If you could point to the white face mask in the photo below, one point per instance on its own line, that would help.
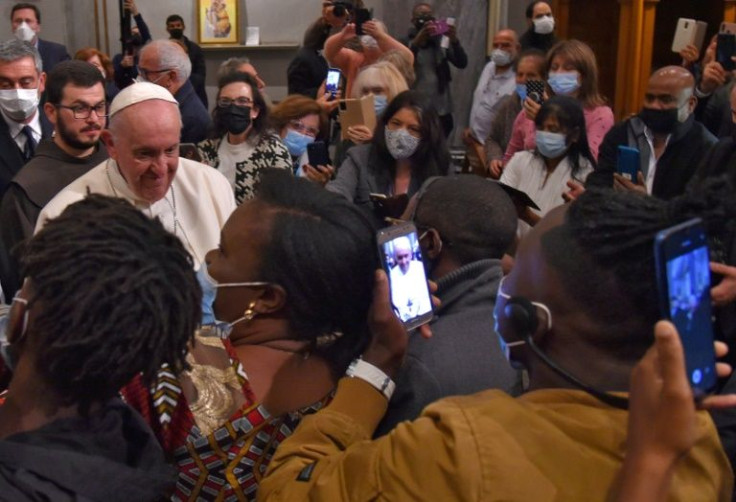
(24, 32)
(500, 57)
(19, 104)
(544, 25)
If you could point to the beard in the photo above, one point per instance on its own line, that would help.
(68, 137)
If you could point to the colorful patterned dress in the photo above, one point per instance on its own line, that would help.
(228, 463)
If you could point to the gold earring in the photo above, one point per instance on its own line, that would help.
(250, 313)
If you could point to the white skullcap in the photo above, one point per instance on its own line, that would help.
(137, 93)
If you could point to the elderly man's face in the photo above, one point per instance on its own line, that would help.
(145, 144)
(403, 257)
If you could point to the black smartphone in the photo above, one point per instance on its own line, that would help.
(361, 16)
(317, 154)
(398, 247)
(189, 151)
(332, 84)
(627, 163)
(683, 280)
(535, 90)
(725, 49)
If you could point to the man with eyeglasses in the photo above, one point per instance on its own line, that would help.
(77, 109)
(165, 63)
(22, 82)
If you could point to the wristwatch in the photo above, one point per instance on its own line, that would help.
(373, 375)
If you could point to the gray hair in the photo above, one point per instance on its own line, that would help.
(14, 49)
(231, 65)
(171, 55)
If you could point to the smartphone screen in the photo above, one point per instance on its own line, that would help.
(333, 81)
(627, 164)
(401, 258)
(683, 274)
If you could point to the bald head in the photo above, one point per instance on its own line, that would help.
(671, 87)
(507, 40)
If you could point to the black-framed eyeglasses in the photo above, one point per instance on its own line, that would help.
(82, 112)
(242, 101)
(144, 73)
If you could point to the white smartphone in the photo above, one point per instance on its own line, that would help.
(684, 34)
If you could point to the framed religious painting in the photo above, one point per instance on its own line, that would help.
(218, 22)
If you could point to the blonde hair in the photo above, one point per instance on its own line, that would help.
(405, 67)
(381, 74)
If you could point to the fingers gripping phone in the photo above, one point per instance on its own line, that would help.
(535, 90)
(398, 248)
(683, 280)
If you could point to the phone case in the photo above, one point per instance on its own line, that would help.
(535, 90)
(684, 34)
(628, 163)
(317, 154)
(357, 112)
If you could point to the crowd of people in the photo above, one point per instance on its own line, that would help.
(195, 306)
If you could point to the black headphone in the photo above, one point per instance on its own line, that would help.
(522, 315)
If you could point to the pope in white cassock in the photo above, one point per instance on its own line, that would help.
(408, 286)
(192, 200)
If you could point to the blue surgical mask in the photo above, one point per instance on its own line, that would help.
(297, 142)
(521, 91)
(209, 287)
(380, 102)
(564, 83)
(551, 144)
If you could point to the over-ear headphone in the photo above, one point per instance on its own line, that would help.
(522, 315)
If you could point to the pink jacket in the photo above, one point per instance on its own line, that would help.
(598, 121)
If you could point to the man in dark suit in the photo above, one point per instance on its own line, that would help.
(26, 21)
(22, 125)
(175, 27)
(165, 63)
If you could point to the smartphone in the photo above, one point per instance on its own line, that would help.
(725, 48)
(683, 283)
(317, 153)
(332, 84)
(189, 151)
(361, 16)
(684, 34)
(535, 90)
(628, 163)
(398, 247)
(728, 28)
(441, 27)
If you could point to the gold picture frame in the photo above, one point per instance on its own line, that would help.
(218, 22)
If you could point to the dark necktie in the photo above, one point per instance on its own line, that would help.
(30, 147)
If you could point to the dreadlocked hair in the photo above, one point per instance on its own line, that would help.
(112, 294)
(617, 230)
(322, 251)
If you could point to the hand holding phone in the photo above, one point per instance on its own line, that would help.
(683, 280)
(332, 83)
(627, 163)
(361, 16)
(318, 154)
(725, 50)
(400, 254)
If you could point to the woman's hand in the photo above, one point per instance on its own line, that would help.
(531, 107)
(495, 168)
(359, 134)
(318, 174)
(575, 191)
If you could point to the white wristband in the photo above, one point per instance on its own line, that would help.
(373, 375)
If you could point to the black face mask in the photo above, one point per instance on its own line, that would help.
(176, 33)
(235, 119)
(659, 121)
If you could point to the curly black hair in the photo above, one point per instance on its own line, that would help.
(112, 294)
